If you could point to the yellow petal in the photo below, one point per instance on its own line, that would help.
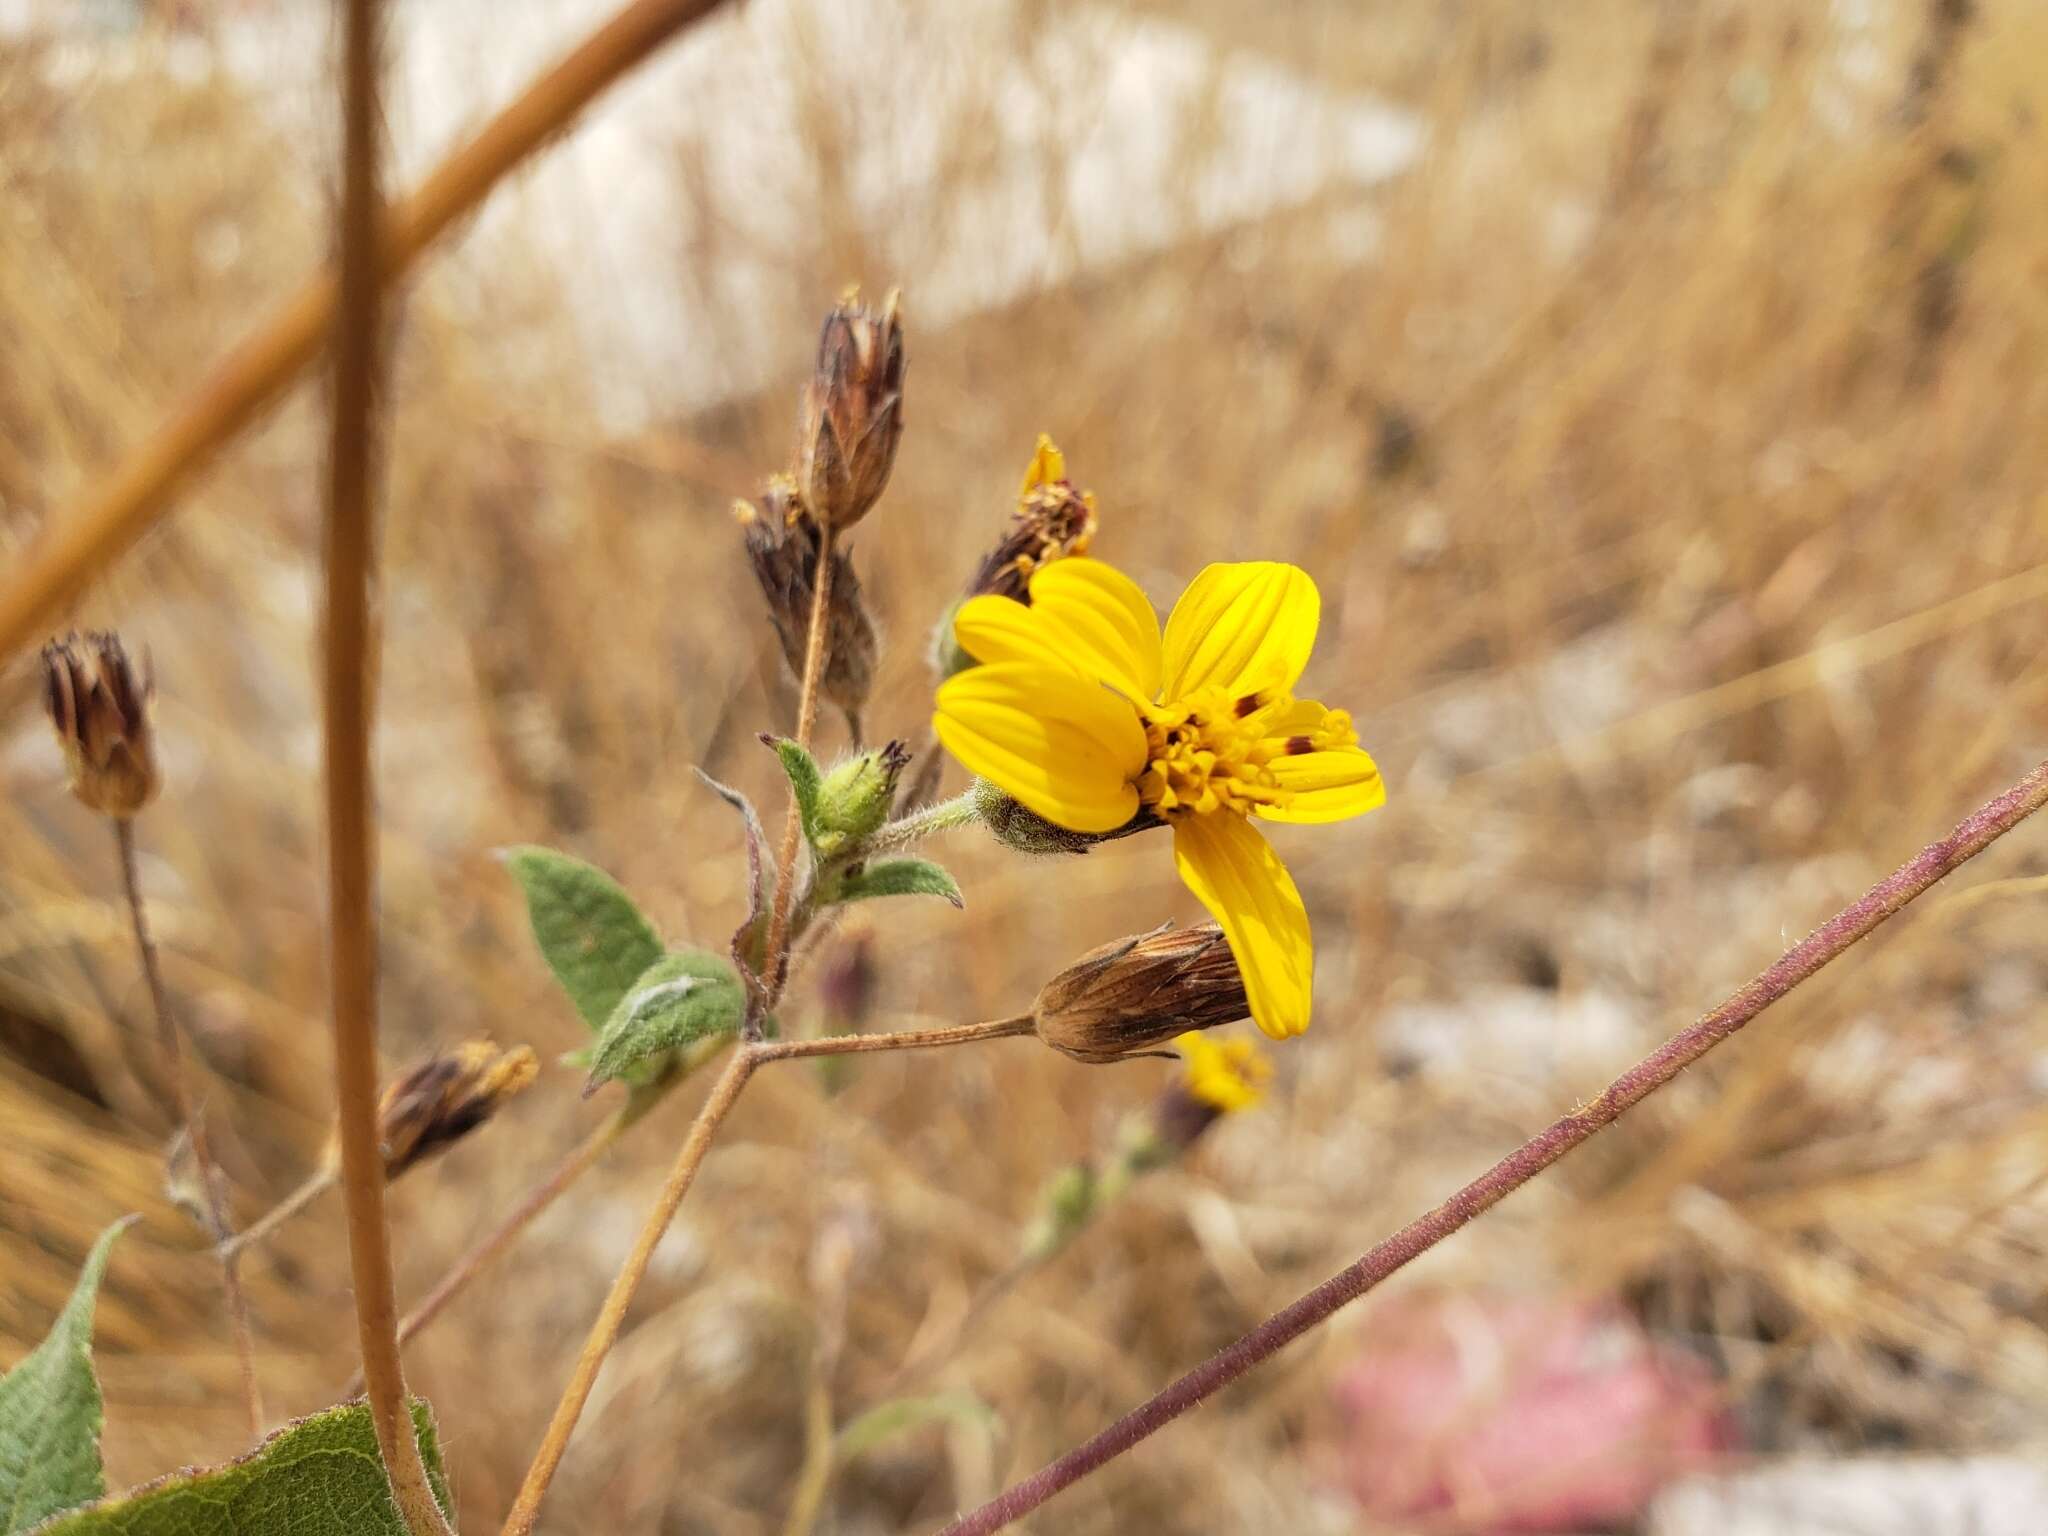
(1047, 465)
(1246, 888)
(1327, 786)
(1243, 627)
(997, 629)
(1060, 745)
(1103, 621)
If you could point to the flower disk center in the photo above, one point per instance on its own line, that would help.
(1208, 752)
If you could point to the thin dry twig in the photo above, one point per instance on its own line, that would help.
(346, 693)
(121, 508)
(211, 1183)
(316, 1185)
(1825, 944)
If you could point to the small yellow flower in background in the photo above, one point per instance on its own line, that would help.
(1087, 715)
(1227, 1075)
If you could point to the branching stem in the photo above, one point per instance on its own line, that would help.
(317, 1184)
(1826, 943)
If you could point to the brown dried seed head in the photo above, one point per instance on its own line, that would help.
(1051, 520)
(852, 412)
(1138, 993)
(782, 546)
(100, 706)
(444, 1098)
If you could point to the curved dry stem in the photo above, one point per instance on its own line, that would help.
(605, 1332)
(1824, 944)
(110, 518)
(259, 1230)
(212, 1184)
(346, 693)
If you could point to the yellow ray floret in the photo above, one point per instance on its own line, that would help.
(1085, 713)
(1228, 1075)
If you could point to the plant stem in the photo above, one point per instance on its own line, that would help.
(724, 1094)
(960, 811)
(1824, 944)
(347, 664)
(121, 508)
(892, 1040)
(212, 1184)
(316, 1185)
(491, 1248)
(775, 952)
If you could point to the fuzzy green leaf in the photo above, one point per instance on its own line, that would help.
(590, 933)
(900, 1415)
(896, 877)
(804, 778)
(50, 1411)
(682, 998)
(320, 1476)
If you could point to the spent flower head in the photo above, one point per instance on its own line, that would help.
(1090, 717)
(1052, 520)
(437, 1102)
(852, 412)
(100, 705)
(1138, 993)
(782, 547)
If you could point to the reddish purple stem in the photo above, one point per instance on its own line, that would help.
(1824, 944)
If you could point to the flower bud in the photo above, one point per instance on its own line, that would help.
(444, 1098)
(855, 797)
(101, 709)
(852, 413)
(782, 546)
(1051, 520)
(1137, 993)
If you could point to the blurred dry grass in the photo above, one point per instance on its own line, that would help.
(1667, 448)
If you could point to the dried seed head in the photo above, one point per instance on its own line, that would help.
(100, 706)
(782, 546)
(1052, 520)
(852, 413)
(444, 1098)
(1138, 993)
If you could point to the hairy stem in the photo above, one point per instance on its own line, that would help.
(605, 1332)
(892, 1040)
(906, 831)
(775, 952)
(346, 692)
(121, 508)
(317, 1184)
(212, 1184)
(1824, 944)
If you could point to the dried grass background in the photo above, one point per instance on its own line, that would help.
(1668, 448)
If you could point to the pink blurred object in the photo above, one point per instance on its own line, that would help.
(1496, 1414)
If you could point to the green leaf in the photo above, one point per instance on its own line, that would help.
(320, 1476)
(590, 933)
(896, 877)
(887, 1420)
(50, 1411)
(682, 998)
(804, 778)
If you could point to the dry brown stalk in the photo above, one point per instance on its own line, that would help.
(120, 509)
(347, 662)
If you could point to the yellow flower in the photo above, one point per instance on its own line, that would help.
(1228, 1076)
(1084, 713)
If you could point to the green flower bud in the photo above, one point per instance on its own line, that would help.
(855, 798)
(1066, 1206)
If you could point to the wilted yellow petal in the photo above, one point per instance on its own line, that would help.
(1246, 888)
(1047, 466)
(1060, 745)
(1327, 786)
(1105, 623)
(1243, 627)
